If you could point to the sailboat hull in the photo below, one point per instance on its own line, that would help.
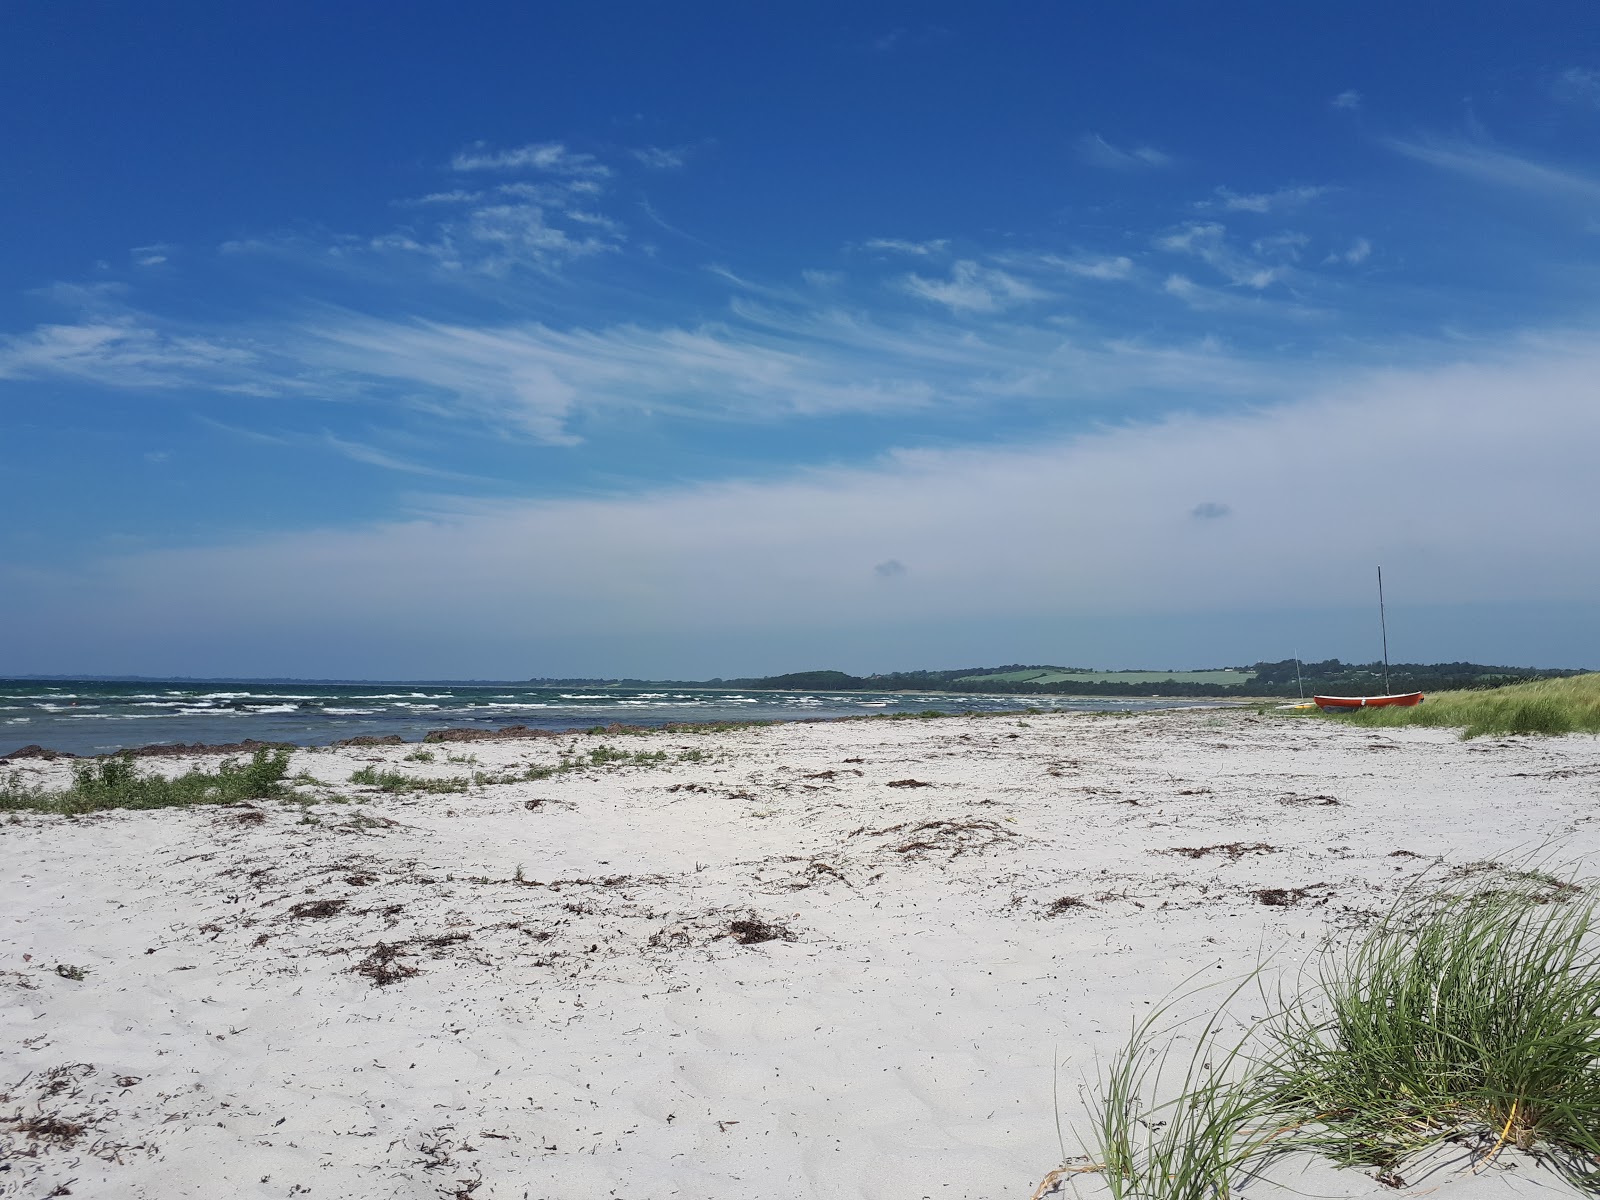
(1340, 703)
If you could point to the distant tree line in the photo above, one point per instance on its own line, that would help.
(1269, 679)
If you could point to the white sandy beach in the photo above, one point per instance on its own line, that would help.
(595, 1029)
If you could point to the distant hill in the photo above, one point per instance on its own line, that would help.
(1259, 679)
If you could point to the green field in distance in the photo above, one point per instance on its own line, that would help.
(1225, 677)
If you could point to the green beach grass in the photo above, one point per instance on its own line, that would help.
(1460, 1015)
(1548, 706)
(116, 782)
(1468, 1014)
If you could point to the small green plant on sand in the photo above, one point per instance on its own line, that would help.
(425, 756)
(1156, 1142)
(117, 782)
(399, 783)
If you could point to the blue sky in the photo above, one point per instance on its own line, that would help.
(712, 339)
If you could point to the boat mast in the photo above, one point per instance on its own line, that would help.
(1297, 678)
(1383, 624)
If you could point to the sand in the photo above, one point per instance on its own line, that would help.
(557, 989)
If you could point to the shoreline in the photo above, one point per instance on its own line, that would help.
(619, 728)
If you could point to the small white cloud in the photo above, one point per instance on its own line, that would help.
(1350, 100)
(1360, 250)
(902, 246)
(456, 196)
(1261, 202)
(551, 157)
(822, 279)
(1105, 267)
(150, 256)
(1287, 244)
(972, 288)
(1097, 152)
(1208, 241)
(1577, 85)
(662, 158)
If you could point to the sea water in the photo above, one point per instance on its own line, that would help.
(88, 717)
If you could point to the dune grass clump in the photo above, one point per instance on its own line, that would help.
(116, 782)
(1470, 1017)
(1457, 1017)
(1153, 1145)
(1545, 706)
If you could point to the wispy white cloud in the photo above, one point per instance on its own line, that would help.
(1094, 266)
(1261, 202)
(1577, 85)
(454, 196)
(1208, 241)
(662, 158)
(935, 246)
(374, 456)
(1502, 168)
(122, 352)
(1359, 251)
(972, 287)
(151, 256)
(1285, 245)
(1097, 152)
(551, 157)
(1348, 100)
(496, 238)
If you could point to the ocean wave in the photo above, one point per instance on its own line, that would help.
(260, 709)
(406, 696)
(351, 712)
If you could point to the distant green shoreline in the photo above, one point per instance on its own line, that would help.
(1283, 678)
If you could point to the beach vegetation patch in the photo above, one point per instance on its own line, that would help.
(398, 783)
(99, 784)
(1546, 706)
(1154, 1141)
(1458, 1016)
(1469, 1017)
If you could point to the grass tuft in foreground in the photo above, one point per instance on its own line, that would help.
(1191, 1146)
(1469, 1017)
(116, 782)
(1547, 706)
(1457, 1016)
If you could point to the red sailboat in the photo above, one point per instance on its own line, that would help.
(1389, 699)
